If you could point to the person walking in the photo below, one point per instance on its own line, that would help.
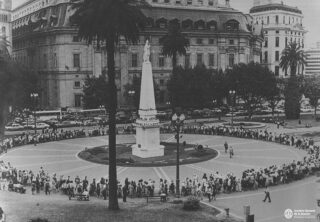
(225, 147)
(267, 195)
(231, 152)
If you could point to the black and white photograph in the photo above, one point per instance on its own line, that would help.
(159, 111)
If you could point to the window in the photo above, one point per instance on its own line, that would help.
(199, 41)
(77, 84)
(55, 60)
(286, 41)
(284, 20)
(277, 41)
(266, 42)
(166, 1)
(77, 100)
(268, 20)
(154, 0)
(75, 39)
(187, 60)
(277, 56)
(134, 60)
(161, 96)
(232, 25)
(231, 41)
(161, 82)
(231, 60)
(210, 2)
(277, 19)
(276, 70)
(277, 31)
(211, 59)
(199, 59)
(3, 30)
(178, 2)
(266, 57)
(76, 60)
(45, 60)
(189, 2)
(161, 61)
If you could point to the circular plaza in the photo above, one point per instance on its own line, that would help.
(61, 157)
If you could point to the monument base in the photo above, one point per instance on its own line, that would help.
(147, 139)
(146, 153)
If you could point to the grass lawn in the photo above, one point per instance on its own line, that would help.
(57, 208)
(125, 158)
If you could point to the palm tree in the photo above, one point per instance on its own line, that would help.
(292, 57)
(108, 21)
(173, 43)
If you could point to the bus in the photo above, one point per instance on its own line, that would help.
(49, 114)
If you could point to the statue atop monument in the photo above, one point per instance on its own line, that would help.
(146, 52)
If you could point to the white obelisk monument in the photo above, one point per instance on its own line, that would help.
(147, 125)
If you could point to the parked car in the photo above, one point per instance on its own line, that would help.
(14, 126)
(40, 126)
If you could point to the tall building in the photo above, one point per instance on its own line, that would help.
(313, 60)
(45, 40)
(281, 24)
(5, 19)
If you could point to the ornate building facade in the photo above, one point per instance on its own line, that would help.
(45, 40)
(281, 24)
(5, 19)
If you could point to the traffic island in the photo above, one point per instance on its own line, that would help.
(189, 153)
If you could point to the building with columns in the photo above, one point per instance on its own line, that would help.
(45, 40)
(5, 19)
(281, 24)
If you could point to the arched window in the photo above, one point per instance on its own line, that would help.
(212, 25)
(200, 24)
(174, 22)
(187, 24)
(161, 23)
(232, 25)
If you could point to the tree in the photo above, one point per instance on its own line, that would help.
(95, 92)
(173, 43)
(251, 82)
(274, 94)
(16, 84)
(219, 89)
(292, 57)
(292, 94)
(312, 91)
(190, 87)
(108, 21)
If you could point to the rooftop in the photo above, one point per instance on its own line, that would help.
(274, 6)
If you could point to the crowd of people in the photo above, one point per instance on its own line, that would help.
(209, 184)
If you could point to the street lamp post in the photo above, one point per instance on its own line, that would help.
(34, 98)
(232, 93)
(131, 94)
(177, 122)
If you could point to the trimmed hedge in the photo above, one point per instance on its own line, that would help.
(192, 203)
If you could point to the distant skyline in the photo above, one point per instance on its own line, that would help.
(310, 10)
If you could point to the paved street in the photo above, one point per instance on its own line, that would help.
(61, 157)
